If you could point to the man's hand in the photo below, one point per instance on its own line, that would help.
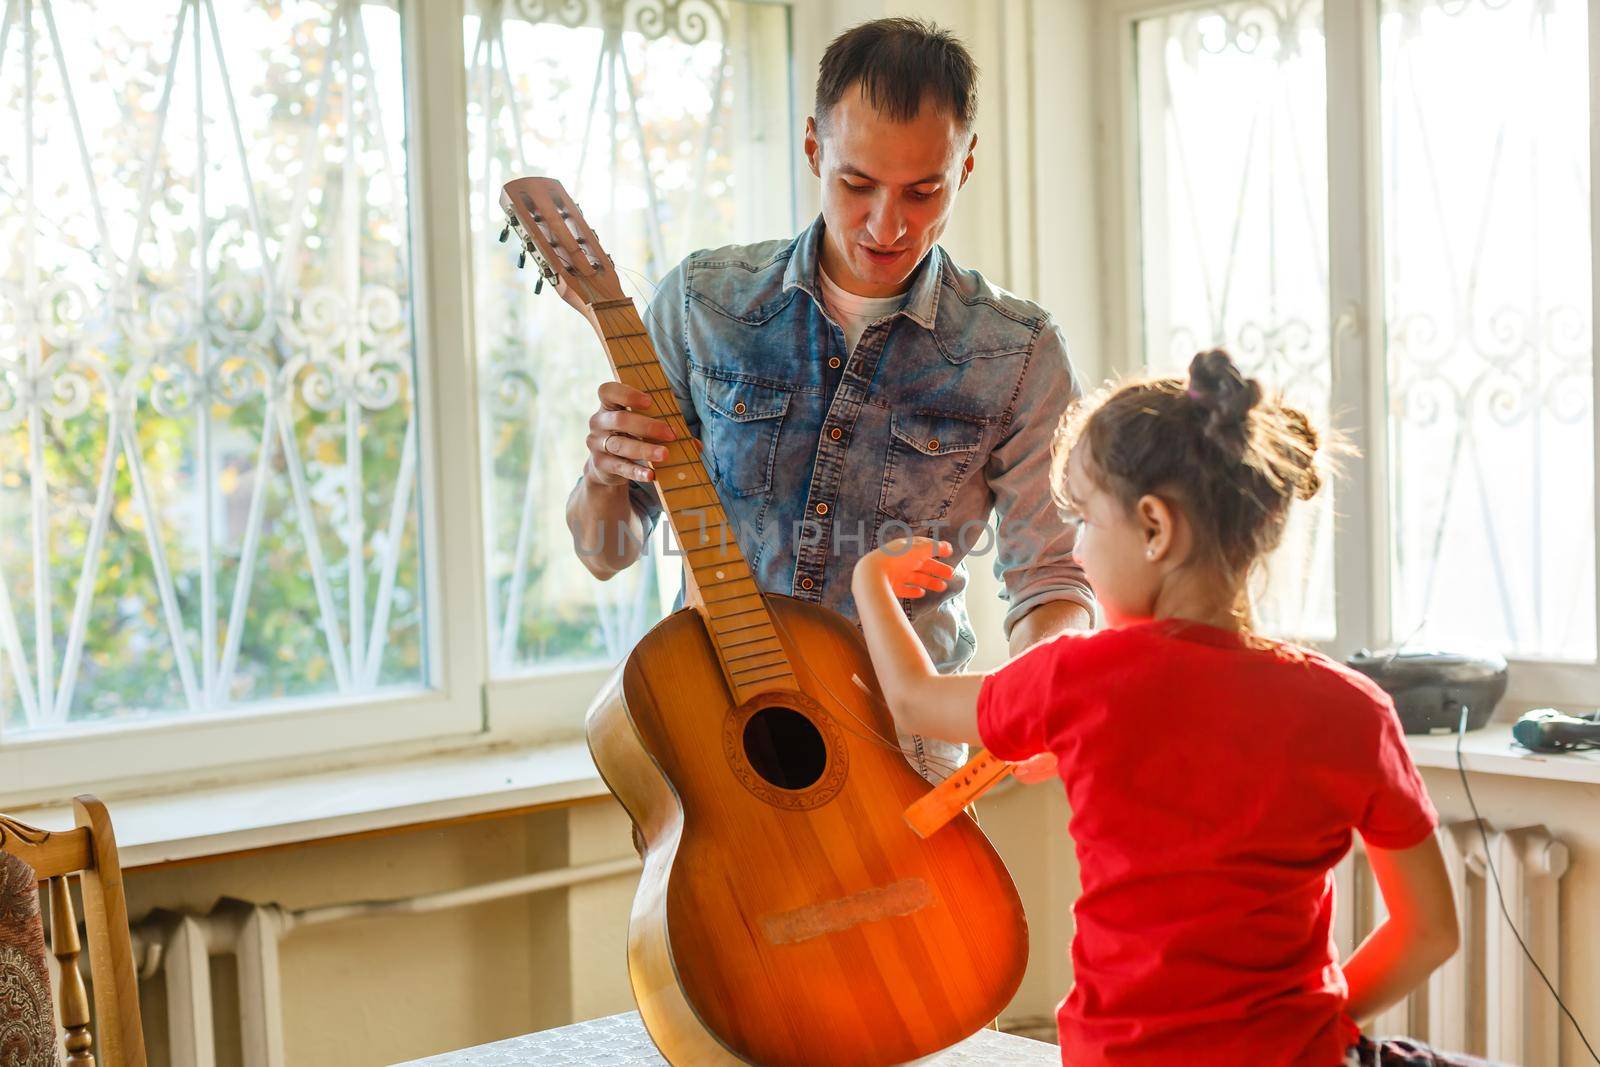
(1046, 621)
(607, 531)
(623, 443)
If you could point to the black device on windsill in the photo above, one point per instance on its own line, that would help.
(1548, 730)
(1429, 688)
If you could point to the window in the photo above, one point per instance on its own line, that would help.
(1411, 262)
(671, 126)
(1488, 324)
(237, 397)
(1233, 199)
(208, 491)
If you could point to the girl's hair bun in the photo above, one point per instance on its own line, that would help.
(1226, 396)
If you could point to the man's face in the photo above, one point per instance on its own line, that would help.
(887, 190)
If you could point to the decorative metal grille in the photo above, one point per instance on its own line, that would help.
(1490, 328)
(208, 471)
(669, 121)
(1233, 209)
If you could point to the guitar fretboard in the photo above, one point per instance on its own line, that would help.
(753, 659)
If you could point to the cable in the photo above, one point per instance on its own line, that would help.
(1488, 858)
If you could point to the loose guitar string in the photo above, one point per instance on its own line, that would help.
(681, 428)
(892, 744)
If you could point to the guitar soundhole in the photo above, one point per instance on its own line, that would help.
(785, 748)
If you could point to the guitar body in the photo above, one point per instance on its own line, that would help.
(787, 915)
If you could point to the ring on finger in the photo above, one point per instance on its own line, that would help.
(605, 446)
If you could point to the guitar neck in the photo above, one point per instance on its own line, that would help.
(737, 620)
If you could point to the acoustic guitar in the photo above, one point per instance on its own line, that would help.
(787, 914)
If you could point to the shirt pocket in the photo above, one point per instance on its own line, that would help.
(928, 458)
(739, 428)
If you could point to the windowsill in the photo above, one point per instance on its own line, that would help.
(222, 820)
(1491, 751)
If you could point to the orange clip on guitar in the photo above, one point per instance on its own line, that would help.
(950, 797)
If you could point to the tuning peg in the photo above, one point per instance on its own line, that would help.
(538, 286)
(522, 260)
(505, 233)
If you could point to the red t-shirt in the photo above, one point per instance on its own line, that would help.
(1214, 785)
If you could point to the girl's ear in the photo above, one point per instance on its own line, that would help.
(1157, 524)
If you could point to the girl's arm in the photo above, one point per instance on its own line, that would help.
(921, 699)
(1420, 933)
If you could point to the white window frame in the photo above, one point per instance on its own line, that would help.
(460, 706)
(1363, 532)
(176, 748)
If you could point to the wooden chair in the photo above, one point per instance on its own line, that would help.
(88, 851)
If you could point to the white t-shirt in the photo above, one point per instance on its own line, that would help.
(855, 313)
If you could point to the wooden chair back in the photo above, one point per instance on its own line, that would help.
(89, 853)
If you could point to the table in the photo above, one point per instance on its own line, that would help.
(621, 1041)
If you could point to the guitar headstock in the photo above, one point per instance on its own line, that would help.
(551, 228)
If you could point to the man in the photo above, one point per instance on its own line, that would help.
(853, 385)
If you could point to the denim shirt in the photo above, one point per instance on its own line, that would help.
(945, 410)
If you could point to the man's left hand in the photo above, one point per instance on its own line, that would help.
(1046, 621)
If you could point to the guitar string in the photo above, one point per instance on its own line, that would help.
(845, 707)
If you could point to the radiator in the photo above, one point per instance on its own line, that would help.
(1487, 999)
(180, 947)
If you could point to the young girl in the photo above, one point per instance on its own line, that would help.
(1215, 777)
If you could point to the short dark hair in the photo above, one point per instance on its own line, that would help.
(899, 62)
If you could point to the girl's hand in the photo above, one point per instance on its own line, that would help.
(910, 565)
(1036, 769)
(921, 700)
